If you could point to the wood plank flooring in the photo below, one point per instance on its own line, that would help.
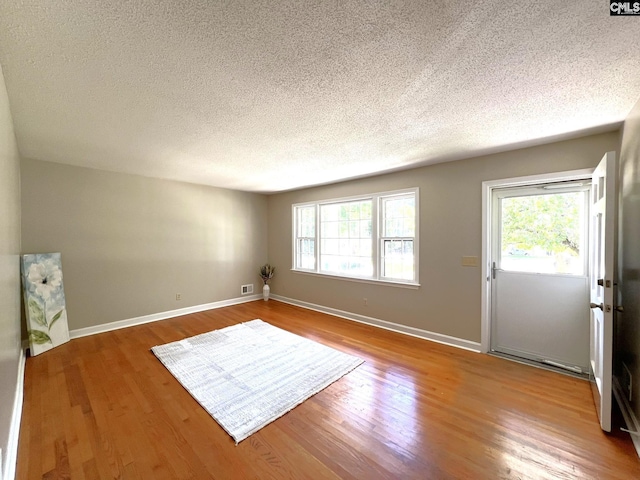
(103, 407)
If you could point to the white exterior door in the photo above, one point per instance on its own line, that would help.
(539, 279)
(602, 284)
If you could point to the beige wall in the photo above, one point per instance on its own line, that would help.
(628, 338)
(130, 243)
(448, 301)
(9, 268)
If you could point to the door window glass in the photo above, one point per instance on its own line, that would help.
(544, 233)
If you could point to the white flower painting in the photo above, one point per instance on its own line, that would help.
(44, 301)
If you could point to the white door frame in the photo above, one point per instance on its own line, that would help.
(487, 193)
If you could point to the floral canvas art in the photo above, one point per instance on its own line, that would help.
(44, 301)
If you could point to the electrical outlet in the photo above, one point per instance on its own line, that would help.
(178, 296)
(246, 289)
(366, 302)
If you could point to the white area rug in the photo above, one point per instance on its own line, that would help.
(250, 374)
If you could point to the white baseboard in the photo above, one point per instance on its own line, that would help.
(627, 413)
(394, 327)
(130, 322)
(9, 472)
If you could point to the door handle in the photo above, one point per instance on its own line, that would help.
(494, 269)
(617, 308)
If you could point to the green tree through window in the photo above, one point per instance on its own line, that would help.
(550, 222)
(544, 232)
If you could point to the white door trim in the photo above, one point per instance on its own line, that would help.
(487, 191)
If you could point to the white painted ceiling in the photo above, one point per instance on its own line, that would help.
(273, 95)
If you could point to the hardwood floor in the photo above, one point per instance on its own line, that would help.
(104, 407)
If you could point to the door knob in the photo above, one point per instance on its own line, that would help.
(619, 308)
(596, 305)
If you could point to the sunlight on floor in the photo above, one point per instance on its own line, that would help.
(535, 460)
(394, 402)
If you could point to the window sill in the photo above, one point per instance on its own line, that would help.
(373, 281)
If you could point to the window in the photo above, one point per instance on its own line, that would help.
(373, 237)
(306, 238)
(345, 240)
(543, 231)
(397, 236)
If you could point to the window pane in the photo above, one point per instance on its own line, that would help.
(408, 248)
(390, 227)
(397, 260)
(306, 254)
(343, 246)
(365, 210)
(306, 221)
(345, 230)
(399, 216)
(365, 248)
(354, 211)
(330, 230)
(330, 246)
(354, 229)
(544, 233)
(365, 229)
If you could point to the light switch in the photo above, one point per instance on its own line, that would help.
(469, 261)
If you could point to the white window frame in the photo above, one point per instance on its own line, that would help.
(296, 238)
(376, 240)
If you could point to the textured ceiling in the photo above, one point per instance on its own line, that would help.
(274, 95)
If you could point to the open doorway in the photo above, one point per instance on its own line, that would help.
(536, 270)
(592, 257)
(540, 286)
